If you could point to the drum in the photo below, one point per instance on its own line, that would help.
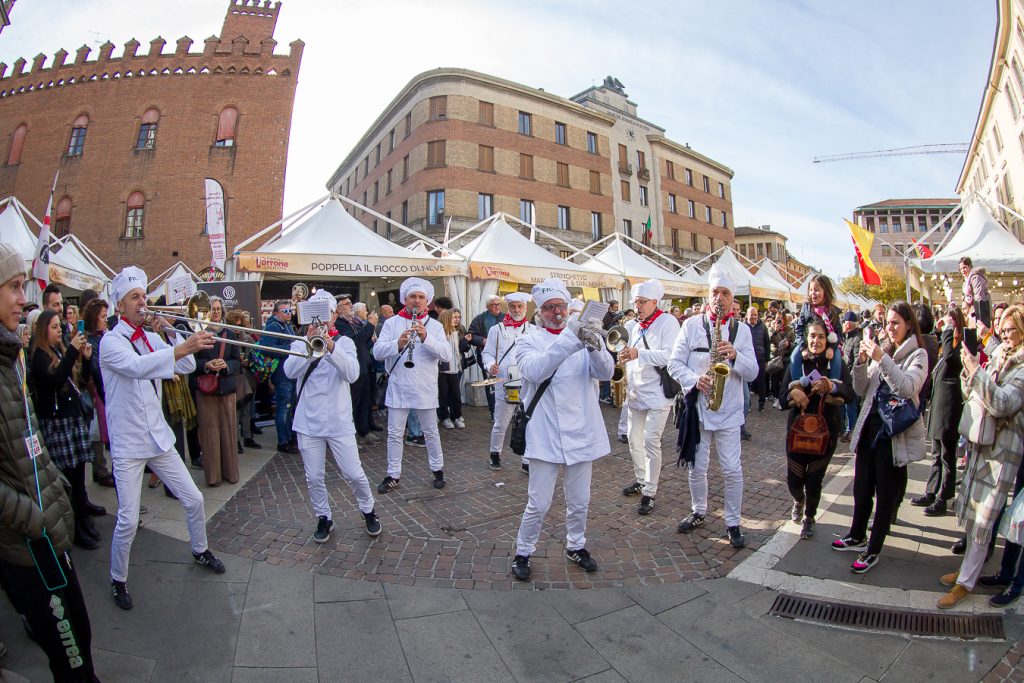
(512, 391)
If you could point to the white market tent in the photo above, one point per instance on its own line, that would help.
(982, 238)
(14, 228)
(158, 285)
(740, 275)
(768, 283)
(619, 258)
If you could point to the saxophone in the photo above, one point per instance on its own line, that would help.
(719, 370)
(619, 385)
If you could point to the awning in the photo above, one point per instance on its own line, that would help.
(618, 258)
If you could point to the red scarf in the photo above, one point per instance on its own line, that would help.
(137, 334)
(558, 331)
(644, 324)
(404, 313)
(715, 320)
(507, 321)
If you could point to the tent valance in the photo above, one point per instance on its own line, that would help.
(618, 258)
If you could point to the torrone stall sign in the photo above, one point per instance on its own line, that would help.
(346, 265)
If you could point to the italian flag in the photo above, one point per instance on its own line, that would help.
(862, 241)
(648, 233)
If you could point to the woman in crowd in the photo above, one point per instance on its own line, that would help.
(806, 473)
(215, 407)
(991, 473)
(244, 393)
(449, 409)
(24, 333)
(947, 404)
(782, 340)
(57, 399)
(71, 316)
(95, 318)
(880, 376)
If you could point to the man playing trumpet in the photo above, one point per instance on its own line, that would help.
(411, 344)
(689, 365)
(499, 360)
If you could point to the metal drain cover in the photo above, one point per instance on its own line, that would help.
(910, 622)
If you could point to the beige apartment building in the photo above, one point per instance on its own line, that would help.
(460, 145)
(900, 223)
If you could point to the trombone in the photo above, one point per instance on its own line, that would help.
(196, 313)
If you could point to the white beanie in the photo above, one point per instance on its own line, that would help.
(323, 294)
(718, 276)
(12, 264)
(416, 284)
(548, 290)
(651, 289)
(128, 279)
(517, 297)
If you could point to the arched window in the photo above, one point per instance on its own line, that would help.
(147, 130)
(226, 124)
(77, 141)
(17, 144)
(62, 225)
(134, 218)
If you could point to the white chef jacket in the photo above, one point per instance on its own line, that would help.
(414, 387)
(644, 390)
(567, 425)
(686, 366)
(135, 416)
(325, 405)
(501, 345)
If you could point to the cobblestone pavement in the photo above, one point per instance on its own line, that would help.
(464, 535)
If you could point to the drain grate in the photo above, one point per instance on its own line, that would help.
(882, 619)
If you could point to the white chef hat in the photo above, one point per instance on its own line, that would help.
(651, 289)
(575, 306)
(548, 290)
(323, 294)
(517, 297)
(128, 279)
(720, 277)
(416, 284)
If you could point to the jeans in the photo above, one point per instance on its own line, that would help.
(284, 398)
(413, 424)
(852, 412)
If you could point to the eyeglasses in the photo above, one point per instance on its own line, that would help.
(550, 308)
(641, 302)
(1007, 330)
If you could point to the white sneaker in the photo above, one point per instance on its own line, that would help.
(460, 423)
(447, 424)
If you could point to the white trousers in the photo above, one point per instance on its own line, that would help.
(129, 473)
(575, 486)
(346, 456)
(502, 417)
(973, 562)
(396, 438)
(623, 427)
(727, 444)
(645, 428)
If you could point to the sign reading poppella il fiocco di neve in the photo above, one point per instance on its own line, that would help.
(351, 266)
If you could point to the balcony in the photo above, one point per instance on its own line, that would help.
(643, 174)
(625, 169)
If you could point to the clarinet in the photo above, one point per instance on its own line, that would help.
(409, 362)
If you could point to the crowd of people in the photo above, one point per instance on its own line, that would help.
(77, 384)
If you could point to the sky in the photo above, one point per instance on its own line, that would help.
(762, 86)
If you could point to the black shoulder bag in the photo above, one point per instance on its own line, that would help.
(305, 378)
(521, 418)
(669, 386)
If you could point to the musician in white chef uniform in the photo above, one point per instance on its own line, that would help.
(688, 364)
(566, 431)
(651, 337)
(499, 356)
(323, 416)
(412, 388)
(133, 362)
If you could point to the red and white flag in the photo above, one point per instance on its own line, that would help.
(41, 257)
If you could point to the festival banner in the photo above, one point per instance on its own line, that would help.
(347, 265)
(532, 275)
(215, 223)
(73, 279)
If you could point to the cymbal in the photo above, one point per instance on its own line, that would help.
(487, 382)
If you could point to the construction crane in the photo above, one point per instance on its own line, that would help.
(950, 148)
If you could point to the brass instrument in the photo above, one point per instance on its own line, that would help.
(196, 313)
(619, 383)
(614, 339)
(719, 370)
(409, 362)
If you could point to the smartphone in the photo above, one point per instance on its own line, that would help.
(971, 340)
(81, 327)
(983, 311)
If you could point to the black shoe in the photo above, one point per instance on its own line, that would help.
(387, 484)
(256, 431)
(744, 434)
(90, 528)
(207, 559)
(959, 547)
(807, 530)
(798, 511)
(634, 489)
(1007, 597)
(120, 592)
(93, 509)
(253, 444)
(197, 463)
(521, 567)
(623, 438)
(760, 407)
(287, 448)
(923, 501)
(736, 537)
(375, 428)
(936, 509)
(418, 441)
(692, 521)
(83, 539)
(240, 449)
(525, 468)
(323, 529)
(107, 481)
(994, 581)
(438, 479)
(582, 558)
(646, 505)
(495, 461)
(373, 525)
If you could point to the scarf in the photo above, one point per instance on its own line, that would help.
(558, 331)
(715, 320)
(507, 321)
(404, 313)
(644, 324)
(823, 312)
(137, 334)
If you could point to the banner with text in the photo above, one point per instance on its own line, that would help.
(531, 275)
(215, 223)
(342, 265)
(244, 294)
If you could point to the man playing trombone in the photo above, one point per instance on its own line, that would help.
(411, 344)
(651, 338)
(133, 361)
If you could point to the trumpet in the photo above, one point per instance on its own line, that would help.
(409, 362)
(196, 314)
(615, 338)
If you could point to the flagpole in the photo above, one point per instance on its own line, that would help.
(40, 265)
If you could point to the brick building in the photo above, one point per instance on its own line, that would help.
(134, 137)
(899, 223)
(463, 145)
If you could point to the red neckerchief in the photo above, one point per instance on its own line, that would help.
(404, 313)
(558, 331)
(714, 318)
(137, 334)
(644, 324)
(509, 322)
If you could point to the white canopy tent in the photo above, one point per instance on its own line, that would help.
(619, 258)
(768, 283)
(740, 275)
(158, 286)
(982, 238)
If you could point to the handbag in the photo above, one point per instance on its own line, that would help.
(775, 366)
(669, 387)
(521, 418)
(976, 425)
(898, 414)
(809, 434)
(210, 384)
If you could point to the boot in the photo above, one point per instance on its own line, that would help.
(82, 538)
(90, 528)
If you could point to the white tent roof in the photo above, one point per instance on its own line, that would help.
(501, 253)
(620, 259)
(331, 242)
(14, 229)
(739, 274)
(983, 239)
(73, 266)
(178, 270)
(768, 283)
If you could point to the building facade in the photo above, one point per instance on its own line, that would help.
(900, 223)
(761, 242)
(457, 145)
(134, 137)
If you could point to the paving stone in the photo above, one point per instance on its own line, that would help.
(266, 675)
(870, 653)
(579, 605)
(116, 667)
(956, 662)
(450, 647)
(332, 589)
(277, 627)
(357, 641)
(657, 599)
(606, 676)
(407, 603)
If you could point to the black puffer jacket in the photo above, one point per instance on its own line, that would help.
(20, 515)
